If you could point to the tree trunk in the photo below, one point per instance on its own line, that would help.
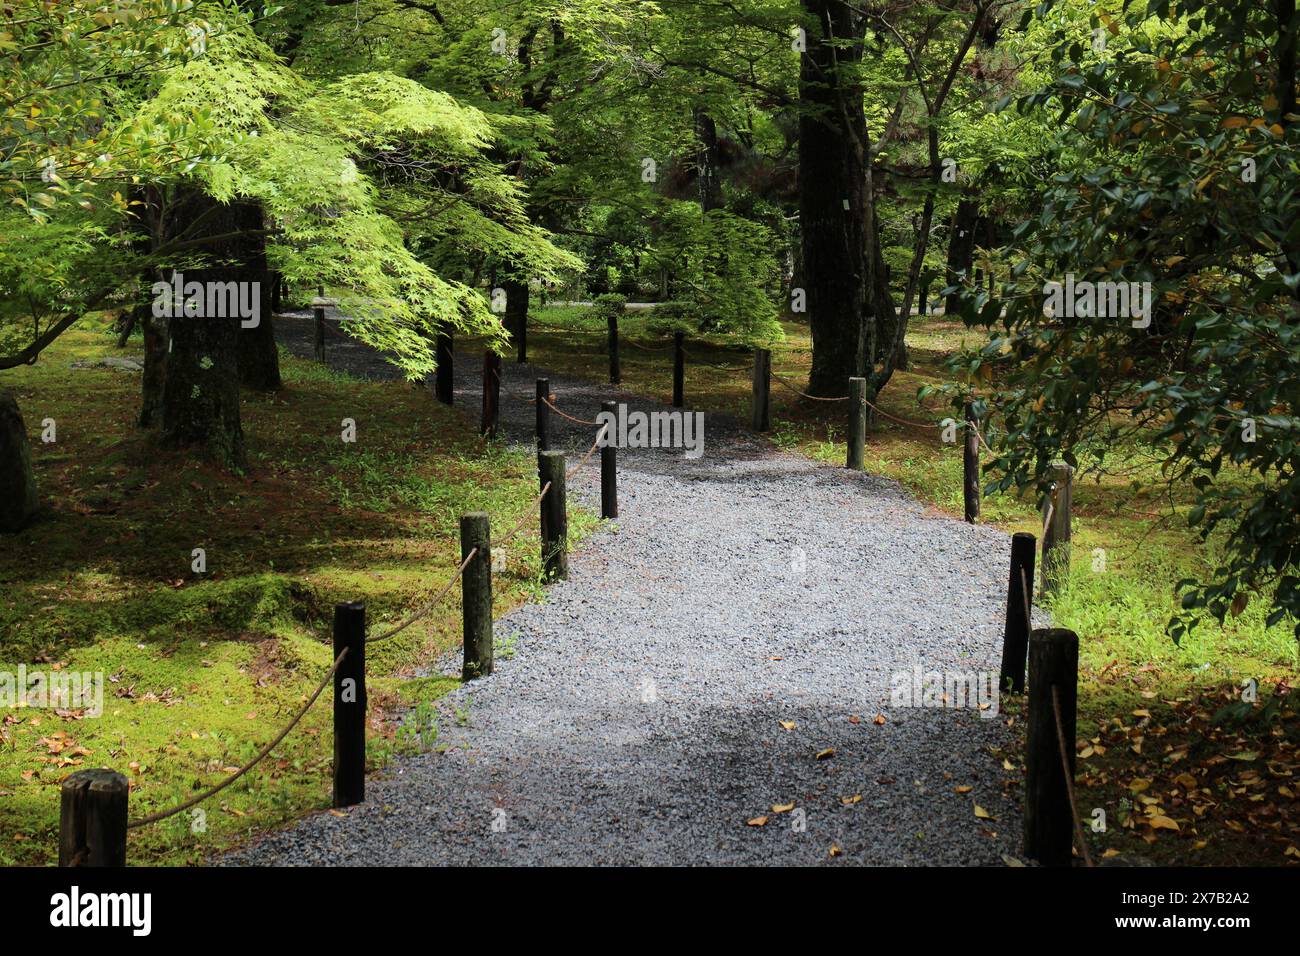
(18, 502)
(155, 369)
(516, 315)
(709, 183)
(832, 200)
(259, 358)
(200, 395)
(961, 249)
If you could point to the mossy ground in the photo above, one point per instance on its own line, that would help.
(202, 669)
(1149, 743)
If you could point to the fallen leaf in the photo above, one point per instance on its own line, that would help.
(835, 850)
(826, 754)
(758, 822)
(963, 789)
(789, 724)
(983, 814)
(849, 801)
(782, 807)
(1160, 822)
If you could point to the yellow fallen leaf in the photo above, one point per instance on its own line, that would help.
(782, 807)
(1160, 822)
(880, 719)
(1112, 852)
(1007, 764)
(1186, 781)
(826, 754)
(835, 850)
(963, 789)
(758, 822)
(1233, 122)
(983, 814)
(849, 801)
(789, 724)
(1138, 784)
(1141, 713)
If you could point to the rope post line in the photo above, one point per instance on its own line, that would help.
(1015, 633)
(679, 369)
(1049, 816)
(350, 704)
(762, 419)
(609, 469)
(554, 517)
(1056, 529)
(543, 421)
(615, 370)
(476, 593)
(971, 465)
(92, 819)
(857, 424)
(491, 416)
(442, 374)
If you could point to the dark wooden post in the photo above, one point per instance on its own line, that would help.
(609, 466)
(1015, 633)
(542, 429)
(476, 594)
(92, 819)
(442, 375)
(350, 704)
(1056, 530)
(857, 423)
(1053, 662)
(971, 465)
(491, 394)
(679, 369)
(555, 518)
(615, 370)
(319, 312)
(762, 390)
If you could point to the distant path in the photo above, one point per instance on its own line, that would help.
(639, 720)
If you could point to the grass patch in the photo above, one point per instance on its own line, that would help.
(201, 669)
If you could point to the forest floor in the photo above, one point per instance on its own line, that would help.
(714, 682)
(201, 669)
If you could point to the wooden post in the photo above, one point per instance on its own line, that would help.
(1056, 530)
(609, 467)
(476, 594)
(442, 375)
(1015, 632)
(92, 819)
(762, 390)
(491, 394)
(857, 423)
(971, 465)
(1049, 824)
(615, 371)
(555, 518)
(319, 312)
(542, 428)
(679, 369)
(350, 705)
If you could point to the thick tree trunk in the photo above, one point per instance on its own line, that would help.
(155, 369)
(961, 248)
(18, 502)
(200, 395)
(516, 315)
(709, 182)
(832, 200)
(259, 358)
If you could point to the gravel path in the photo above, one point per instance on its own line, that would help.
(640, 719)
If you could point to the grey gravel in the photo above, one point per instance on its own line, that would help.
(639, 718)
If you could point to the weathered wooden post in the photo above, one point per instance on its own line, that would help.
(350, 704)
(615, 370)
(555, 518)
(1053, 663)
(542, 427)
(92, 819)
(1015, 632)
(679, 369)
(762, 418)
(491, 394)
(476, 594)
(1056, 529)
(319, 312)
(857, 423)
(442, 381)
(609, 466)
(971, 465)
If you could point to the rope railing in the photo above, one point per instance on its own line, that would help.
(1069, 777)
(213, 791)
(802, 394)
